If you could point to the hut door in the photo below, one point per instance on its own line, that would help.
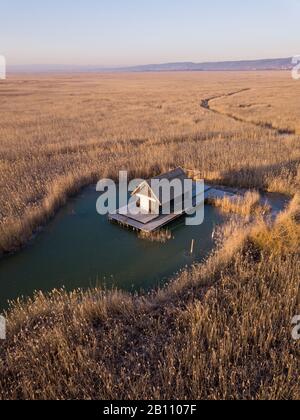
(145, 204)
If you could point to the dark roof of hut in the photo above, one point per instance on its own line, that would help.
(177, 173)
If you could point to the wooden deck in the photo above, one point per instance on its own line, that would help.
(150, 223)
(156, 224)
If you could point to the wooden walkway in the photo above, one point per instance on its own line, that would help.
(156, 224)
(151, 223)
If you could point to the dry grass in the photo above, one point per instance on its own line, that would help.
(284, 235)
(221, 330)
(161, 236)
(245, 205)
(58, 133)
(267, 107)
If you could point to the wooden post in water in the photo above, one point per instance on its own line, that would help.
(192, 246)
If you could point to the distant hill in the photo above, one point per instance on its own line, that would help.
(248, 65)
(269, 64)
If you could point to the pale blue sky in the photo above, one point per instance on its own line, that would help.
(127, 32)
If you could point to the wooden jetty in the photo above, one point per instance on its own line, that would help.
(149, 222)
(152, 223)
(151, 218)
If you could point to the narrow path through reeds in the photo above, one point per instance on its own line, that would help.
(206, 104)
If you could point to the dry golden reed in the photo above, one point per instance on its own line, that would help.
(162, 236)
(246, 205)
(58, 133)
(220, 330)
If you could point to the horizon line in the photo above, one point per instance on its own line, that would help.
(264, 64)
(162, 63)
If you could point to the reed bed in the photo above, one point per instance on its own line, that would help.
(220, 330)
(245, 205)
(161, 236)
(59, 133)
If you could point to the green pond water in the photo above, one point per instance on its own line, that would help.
(80, 249)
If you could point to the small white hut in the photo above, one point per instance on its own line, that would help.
(151, 202)
(160, 203)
